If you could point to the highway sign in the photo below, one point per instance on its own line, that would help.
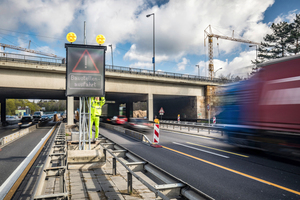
(85, 70)
(161, 111)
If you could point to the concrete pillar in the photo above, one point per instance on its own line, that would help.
(70, 110)
(3, 109)
(201, 112)
(129, 110)
(150, 107)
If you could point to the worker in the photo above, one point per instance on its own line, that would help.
(156, 121)
(96, 111)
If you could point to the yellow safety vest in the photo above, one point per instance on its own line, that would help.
(96, 107)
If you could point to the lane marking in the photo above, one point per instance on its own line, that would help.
(14, 129)
(189, 135)
(216, 154)
(218, 149)
(236, 172)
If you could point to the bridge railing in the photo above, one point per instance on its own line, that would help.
(163, 74)
(24, 58)
(61, 62)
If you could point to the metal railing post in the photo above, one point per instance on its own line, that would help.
(114, 168)
(129, 182)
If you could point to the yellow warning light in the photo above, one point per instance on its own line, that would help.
(71, 37)
(100, 39)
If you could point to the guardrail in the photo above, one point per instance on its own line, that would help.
(6, 187)
(191, 126)
(169, 187)
(61, 62)
(52, 181)
(164, 74)
(31, 59)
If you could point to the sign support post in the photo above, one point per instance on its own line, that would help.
(85, 79)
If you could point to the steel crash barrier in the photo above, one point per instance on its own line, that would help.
(52, 181)
(163, 184)
(192, 126)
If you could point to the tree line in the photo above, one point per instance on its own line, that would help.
(50, 105)
(282, 42)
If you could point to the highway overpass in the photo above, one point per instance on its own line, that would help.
(30, 77)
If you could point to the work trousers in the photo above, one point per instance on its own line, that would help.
(96, 120)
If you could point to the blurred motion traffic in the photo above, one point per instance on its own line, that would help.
(263, 111)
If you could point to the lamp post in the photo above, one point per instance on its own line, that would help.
(198, 70)
(217, 70)
(153, 59)
(256, 55)
(112, 56)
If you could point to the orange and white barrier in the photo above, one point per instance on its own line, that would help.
(156, 134)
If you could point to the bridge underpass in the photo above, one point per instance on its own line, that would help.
(24, 79)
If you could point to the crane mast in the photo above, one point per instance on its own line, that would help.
(27, 50)
(210, 36)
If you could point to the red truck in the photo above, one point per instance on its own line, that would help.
(263, 112)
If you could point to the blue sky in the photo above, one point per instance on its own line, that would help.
(179, 29)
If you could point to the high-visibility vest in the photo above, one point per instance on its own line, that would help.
(96, 107)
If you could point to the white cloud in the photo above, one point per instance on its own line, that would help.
(45, 17)
(181, 66)
(143, 65)
(287, 18)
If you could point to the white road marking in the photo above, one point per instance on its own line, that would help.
(216, 154)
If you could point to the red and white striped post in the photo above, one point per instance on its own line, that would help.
(156, 134)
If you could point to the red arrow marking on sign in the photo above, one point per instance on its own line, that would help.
(87, 71)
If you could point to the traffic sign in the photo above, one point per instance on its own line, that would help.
(214, 120)
(161, 111)
(85, 70)
(207, 106)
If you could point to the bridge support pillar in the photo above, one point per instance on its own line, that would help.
(70, 110)
(150, 107)
(3, 110)
(129, 109)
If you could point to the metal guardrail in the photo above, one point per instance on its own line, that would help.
(31, 59)
(61, 62)
(163, 74)
(54, 170)
(170, 187)
(11, 180)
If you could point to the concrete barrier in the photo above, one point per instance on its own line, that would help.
(14, 136)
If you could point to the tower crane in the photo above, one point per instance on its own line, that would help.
(28, 50)
(208, 34)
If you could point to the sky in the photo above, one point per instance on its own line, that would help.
(179, 30)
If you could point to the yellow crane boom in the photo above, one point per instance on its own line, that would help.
(210, 35)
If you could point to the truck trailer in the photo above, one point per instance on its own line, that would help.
(263, 112)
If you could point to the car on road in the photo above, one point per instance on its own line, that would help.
(36, 118)
(140, 125)
(119, 119)
(12, 120)
(26, 121)
(44, 118)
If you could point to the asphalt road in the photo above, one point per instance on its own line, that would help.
(220, 170)
(14, 153)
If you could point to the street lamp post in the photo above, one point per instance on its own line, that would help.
(217, 70)
(256, 55)
(153, 59)
(198, 70)
(112, 56)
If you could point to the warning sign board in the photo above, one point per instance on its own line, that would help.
(85, 70)
(161, 111)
